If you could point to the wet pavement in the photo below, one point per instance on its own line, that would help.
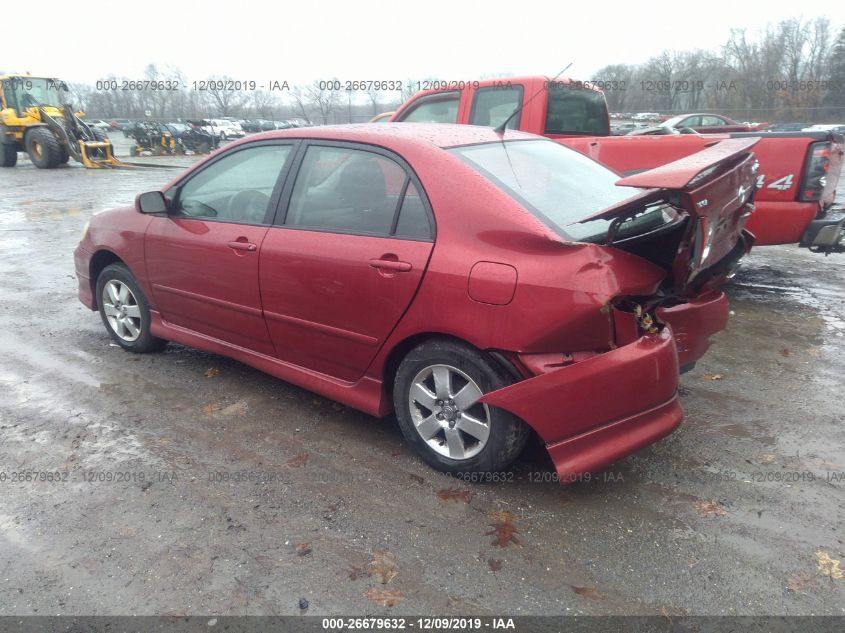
(191, 484)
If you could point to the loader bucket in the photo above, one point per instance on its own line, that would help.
(96, 162)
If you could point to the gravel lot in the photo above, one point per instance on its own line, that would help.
(197, 485)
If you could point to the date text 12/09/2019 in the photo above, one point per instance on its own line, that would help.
(431, 623)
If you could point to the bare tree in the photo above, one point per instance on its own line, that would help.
(224, 94)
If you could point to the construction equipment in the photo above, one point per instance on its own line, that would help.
(37, 118)
(153, 137)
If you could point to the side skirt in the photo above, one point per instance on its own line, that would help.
(366, 394)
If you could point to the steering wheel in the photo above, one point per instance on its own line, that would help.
(687, 130)
(250, 205)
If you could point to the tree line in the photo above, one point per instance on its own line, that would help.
(790, 71)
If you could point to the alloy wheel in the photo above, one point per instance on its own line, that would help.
(122, 310)
(446, 413)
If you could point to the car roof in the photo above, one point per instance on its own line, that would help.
(429, 134)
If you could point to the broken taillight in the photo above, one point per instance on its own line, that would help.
(815, 174)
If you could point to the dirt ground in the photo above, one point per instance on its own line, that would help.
(197, 485)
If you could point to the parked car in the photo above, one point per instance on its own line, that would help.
(549, 302)
(836, 128)
(620, 129)
(120, 124)
(707, 123)
(224, 129)
(251, 125)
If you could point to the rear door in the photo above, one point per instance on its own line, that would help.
(202, 258)
(344, 262)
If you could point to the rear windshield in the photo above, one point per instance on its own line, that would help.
(575, 110)
(557, 184)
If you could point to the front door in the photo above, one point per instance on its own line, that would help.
(202, 258)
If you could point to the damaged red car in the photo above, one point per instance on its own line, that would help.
(481, 285)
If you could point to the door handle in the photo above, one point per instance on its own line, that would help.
(242, 245)
(391, 264)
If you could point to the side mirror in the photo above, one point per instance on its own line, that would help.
(151, 202)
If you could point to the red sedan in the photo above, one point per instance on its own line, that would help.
(479, 285)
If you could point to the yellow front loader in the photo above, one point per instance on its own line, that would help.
(37, 118)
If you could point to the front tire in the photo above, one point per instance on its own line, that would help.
(43, 148)
(125, 311)
(435, 395)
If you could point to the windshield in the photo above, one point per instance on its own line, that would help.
(557, 184)
(29, 92)
(575, 110)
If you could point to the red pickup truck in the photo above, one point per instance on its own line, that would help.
(798, 171)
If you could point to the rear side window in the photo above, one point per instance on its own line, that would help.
(573, 110)
(345, 190)
(440, 108)
(493, 106)
(413, 221)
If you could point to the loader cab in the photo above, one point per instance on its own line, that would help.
(20, 93)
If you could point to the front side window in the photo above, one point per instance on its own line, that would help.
(493, 106)
(235, 188)
(346, 190)
(441, 108)
(574, 110)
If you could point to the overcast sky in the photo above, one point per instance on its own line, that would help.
(449, 40)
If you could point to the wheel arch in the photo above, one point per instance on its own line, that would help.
(401, 349)
(99, 260)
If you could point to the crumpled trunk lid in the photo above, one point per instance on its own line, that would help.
(715, 188)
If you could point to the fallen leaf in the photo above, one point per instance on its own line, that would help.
(588, 592)
(383, 566)
(710, 508)
(767, 459)
(298, 461)
(495, 564)
(799, 581)
(814, 351)
(385, 597)
(504, 529)
(237, 408)
(416, 478)
(785, 353)
(303, 549)
(829, 566)
(212, 408)
(454, 494)
(713, 376)
(211, 372)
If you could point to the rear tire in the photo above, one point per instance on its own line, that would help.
(8, 155)
(43, 148)
(125, 311)
(435, 392)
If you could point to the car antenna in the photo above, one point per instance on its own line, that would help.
(500, 129)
